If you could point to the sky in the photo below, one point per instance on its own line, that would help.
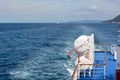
(57, 10)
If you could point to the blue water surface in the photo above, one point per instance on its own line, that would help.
(36, 51)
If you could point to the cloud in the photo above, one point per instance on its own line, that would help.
(57, 10)
(84, 13)
(93, 7)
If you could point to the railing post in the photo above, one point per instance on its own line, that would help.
(84, 73)
(104, 65)
(90, 72)
(74, 72)
(104, 72)
(78, 73)
(108, 48)
(100, 46)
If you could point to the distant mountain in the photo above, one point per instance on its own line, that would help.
(116, 19)
(85, 21)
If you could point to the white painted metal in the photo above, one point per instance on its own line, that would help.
(118, 57)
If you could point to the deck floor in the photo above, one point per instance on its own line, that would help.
(98, 71)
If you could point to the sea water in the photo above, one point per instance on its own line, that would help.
(37, 51)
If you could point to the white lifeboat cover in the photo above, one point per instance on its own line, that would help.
(83, 48)
(83, 60)
(81, 43)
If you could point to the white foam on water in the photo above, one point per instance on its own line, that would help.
(85, 28)
(70, 71)
(26, 68)
(19, 74)
(69, 63)
(70, 46)
(68, 42)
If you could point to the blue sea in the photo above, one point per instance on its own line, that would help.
(37, 51)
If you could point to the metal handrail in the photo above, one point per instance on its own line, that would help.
(75, 71)
(104, 64)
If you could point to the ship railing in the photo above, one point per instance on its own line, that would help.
(76, 73)
(103, 46)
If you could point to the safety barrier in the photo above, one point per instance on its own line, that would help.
(98, 71)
